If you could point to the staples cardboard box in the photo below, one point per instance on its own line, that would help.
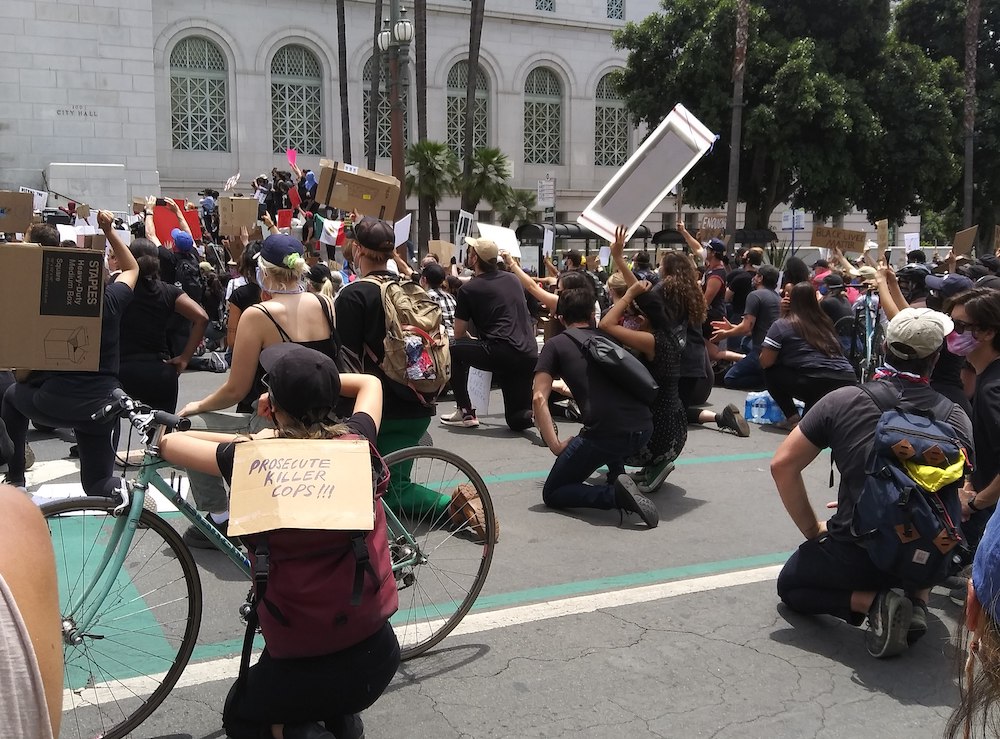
(16, 209)
(52, 311)
(234, 213)
(350, 188)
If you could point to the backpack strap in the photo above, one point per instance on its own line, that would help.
(281, 332)
(887, 397)
(261, 570)
(363, 565)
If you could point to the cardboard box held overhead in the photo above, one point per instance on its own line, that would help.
(350, 188)
(235, 213)
(15, 211)
(52, 311)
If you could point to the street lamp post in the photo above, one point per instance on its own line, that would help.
(394, 40)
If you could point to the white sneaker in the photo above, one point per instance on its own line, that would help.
(461, 419)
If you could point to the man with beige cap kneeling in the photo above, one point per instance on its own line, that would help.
(831, 572)
(493, 303)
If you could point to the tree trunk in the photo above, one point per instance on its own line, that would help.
(373, 101)
(969, 117)
(475, 36)
(735, 136)
(423, 227)
(435, 226)
(345, 108)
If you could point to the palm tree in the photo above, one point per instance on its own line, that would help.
(519, 207)
(345, 108)
(431, 173)
(376, 84)
(486, 178)
(477, 12)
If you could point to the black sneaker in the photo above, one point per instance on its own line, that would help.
(628, 499)
(306, 731)
(888, 624)
(346, 727)
(732, 420)
(918, 622)
(197, 540)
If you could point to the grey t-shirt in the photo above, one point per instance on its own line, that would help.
(765, 306)
(845, 422)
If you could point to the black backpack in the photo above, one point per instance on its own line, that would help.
(616, 362)
(189, 278)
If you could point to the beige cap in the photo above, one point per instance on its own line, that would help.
(485, 249)
(916, 333)
(867, 274)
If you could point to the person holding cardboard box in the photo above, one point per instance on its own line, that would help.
(69, 399)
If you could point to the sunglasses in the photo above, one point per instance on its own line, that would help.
(961, 326)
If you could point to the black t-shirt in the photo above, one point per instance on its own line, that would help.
(845, 422)
(836, 307)
(225, 454)
(494, 302)
(605, 408)
(765, 306)
(948, 369)
(741, 283)
(168, 264)
(361, 324)
(144, 323)
(245, 295)
(716, 308)
(986, 426)
(795, 353)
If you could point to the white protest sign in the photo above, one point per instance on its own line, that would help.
(548, 242)
(604, 255)
(911, 242)
(402, 229)
(649, 175)
(301, 484)
(505, 238)
(40, 198)
(66, 232)
(479, 390)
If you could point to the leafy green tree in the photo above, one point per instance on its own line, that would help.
(486, 179)
(823, 128)
(431, 173)
(518, 207)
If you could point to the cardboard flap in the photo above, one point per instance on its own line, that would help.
(235, 213)
(964, 241)
(302, 484)
(15, 211)
(348, 187)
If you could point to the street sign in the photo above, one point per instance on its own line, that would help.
(546, 195)
(793, 220)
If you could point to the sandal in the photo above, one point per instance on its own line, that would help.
(466, 512)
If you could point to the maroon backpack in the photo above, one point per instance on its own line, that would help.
(318, 592)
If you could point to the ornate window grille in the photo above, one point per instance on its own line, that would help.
(457, 79)
(611, 126)
(199, 103)
(616, 10)
(296, 101)
(546, 5)
(383, 131)
(542, 117)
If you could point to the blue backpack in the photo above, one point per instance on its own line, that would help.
(909, 513)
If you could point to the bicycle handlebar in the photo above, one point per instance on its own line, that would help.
(139, 415)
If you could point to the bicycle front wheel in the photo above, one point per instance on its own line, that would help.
(122, 664)
(443, 555)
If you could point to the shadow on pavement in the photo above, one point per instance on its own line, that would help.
(436, 663)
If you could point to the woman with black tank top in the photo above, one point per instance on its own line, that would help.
(147, 370)
(288, 313)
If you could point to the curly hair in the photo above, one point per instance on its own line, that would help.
(681, 291)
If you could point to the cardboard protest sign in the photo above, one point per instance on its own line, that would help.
(650, 173)
(52, 311)
(39, 198)
(882, 234)
(445, 250)
(402, 229)
(480, 383)
(235, 213)
(284, 218)
(963, 242)
(911, 242)
(321, 484)
(505, 238)
(713, 225)
(15, 211)
(348, 187)
(838, 238)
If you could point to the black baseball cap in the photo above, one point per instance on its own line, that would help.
(375, 234)
(302, 382)
(717, 245)
(948, 286)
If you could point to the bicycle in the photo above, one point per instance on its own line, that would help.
(130, 593)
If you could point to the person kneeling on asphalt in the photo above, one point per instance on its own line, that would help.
(616, 425)
(831, 572)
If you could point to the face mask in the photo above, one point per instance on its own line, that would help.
(823, 289)
(962, 345)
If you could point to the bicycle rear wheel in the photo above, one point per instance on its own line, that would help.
(441, 574)
(126, 662)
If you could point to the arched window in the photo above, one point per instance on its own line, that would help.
(296, 101)
(199, 102)
(457, 79)
(611, 126)
(542, 117)
(383, 131)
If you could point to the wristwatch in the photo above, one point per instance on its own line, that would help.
(972, 504)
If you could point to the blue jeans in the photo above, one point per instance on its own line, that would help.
(565, 486)
(747, 373)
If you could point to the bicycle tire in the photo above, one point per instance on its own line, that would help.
(133, 641)
(437, 593)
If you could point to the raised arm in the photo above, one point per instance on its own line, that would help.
(641, 341)
(543, 296)
(182, 223)
(618, 256)
(126, 262)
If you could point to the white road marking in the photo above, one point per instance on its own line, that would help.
(227, 668)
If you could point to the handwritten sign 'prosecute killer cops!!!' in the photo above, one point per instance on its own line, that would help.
(301, 484)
